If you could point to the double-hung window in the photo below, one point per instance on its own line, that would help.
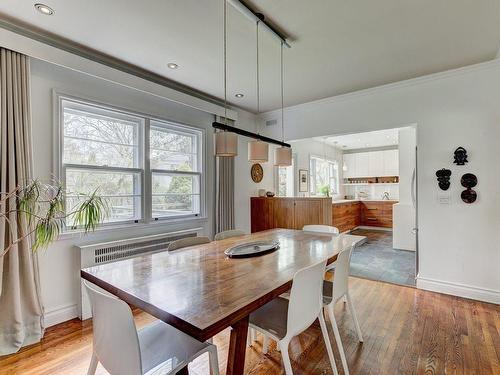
(176, 170)
(324, 176)
(104, 150)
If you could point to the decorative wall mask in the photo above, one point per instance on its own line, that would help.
(468, 181)
(460, 156)
(443, 177)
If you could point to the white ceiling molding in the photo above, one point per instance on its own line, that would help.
(389, 87)
(41, 51)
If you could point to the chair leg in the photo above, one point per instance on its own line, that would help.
(214, 360)
(354, 317)
(337, 338)
(93, 365)
(286, 357)
(328, 345)
(265, 344)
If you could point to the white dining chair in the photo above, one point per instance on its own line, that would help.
(229, 234)
(122, 350)
(324, 229)
(188, 241)
(282, 319)
(336, 290)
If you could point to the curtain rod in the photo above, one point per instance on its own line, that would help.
(232, 129)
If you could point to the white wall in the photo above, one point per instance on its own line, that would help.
(305, 148)
(459, 251)
(59, 269)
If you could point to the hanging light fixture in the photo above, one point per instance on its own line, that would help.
(258, 151)
(226, 143)
(282, 155)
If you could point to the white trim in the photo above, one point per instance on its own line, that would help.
(458, 289)
(45, 52)
(60, 314)
(387, 87)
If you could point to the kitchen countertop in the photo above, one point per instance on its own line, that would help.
(340, 201)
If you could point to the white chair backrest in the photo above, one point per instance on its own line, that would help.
(341, 276)
(228, 234)
(327, 229)
(185, 242)
(306, 298)
(116, 343)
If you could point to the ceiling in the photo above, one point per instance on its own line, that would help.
(380, 138)
(338, 46)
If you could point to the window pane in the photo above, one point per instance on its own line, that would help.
(175, 205)
(120, 190)
(80, 181)
(175, 195)
(172, 149)
(93, 136)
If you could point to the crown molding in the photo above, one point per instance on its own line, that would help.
(390, 87)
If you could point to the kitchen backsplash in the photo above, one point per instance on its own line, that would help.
(373, 191)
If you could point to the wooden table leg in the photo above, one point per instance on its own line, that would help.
(183, 371)
(237, 348)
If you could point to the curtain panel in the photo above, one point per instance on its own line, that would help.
(224, 194)
(21, 320)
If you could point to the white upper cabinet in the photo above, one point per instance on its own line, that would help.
(391, 163)
(363, 164)
(350, 163)
(376, 163)
(372, 164)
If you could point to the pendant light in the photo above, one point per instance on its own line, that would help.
(282, 155)
(258, 151)
(226, 143)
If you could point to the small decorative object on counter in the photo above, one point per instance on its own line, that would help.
(460, 156)
(270, 194)
(469, 181)
(257, 172)
(443, 177)
(262, 192)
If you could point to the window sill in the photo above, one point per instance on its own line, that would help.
(114, 229)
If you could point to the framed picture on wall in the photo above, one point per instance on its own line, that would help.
(303, 180)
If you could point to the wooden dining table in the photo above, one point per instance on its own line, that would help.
(201, 291)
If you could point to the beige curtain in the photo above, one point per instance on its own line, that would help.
(21, 320)
(224, 194)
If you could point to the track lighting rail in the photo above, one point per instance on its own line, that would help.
(245, 133)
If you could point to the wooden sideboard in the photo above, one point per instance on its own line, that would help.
(291, 213)
(349, 215)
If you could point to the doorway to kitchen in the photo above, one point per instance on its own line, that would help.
(371, 178)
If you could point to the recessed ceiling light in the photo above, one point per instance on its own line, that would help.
(44, 9)
(239, 95)
(172, 65)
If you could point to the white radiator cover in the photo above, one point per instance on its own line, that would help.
(107, 252)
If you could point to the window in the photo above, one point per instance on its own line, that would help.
(285, 181)
(103, 149)
(324, 176)
(176, 170)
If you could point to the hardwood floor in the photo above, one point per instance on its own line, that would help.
(406, 331)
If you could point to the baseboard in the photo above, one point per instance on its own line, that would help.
(460, 290)
(60, 315)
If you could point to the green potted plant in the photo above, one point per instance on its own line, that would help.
(325, 190)
(42, 206)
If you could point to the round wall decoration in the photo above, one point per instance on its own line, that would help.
(257, 172)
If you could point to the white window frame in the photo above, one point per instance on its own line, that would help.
(312, 174)
(294, 176)
(145, 172)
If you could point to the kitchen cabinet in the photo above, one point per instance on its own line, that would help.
(291, 213)
(346, 216)
(372, 164)
(391, 163)
(377, 214)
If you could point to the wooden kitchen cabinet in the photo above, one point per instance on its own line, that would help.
(377, 214)
(290, 213)
(346, 216)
